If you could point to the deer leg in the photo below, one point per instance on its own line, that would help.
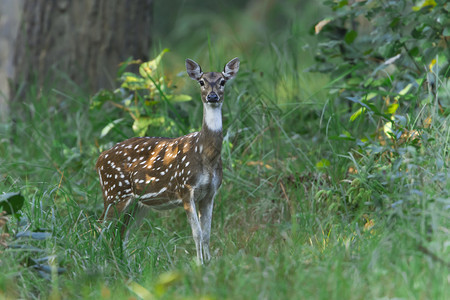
(205, 213)
(133, 220)
(189, 207)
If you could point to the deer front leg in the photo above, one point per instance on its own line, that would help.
(189, 207)
(205, 212)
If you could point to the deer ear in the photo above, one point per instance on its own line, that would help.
(231, 68)
(193, 69)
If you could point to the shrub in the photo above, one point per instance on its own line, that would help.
(142, 96)
(389, 61)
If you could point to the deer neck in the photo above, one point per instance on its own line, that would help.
(211, 134)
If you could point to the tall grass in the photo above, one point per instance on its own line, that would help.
(277, 233)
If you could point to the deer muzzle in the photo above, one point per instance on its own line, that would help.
(212, 97)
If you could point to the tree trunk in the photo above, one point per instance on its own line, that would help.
(83, 39)
(9, 23)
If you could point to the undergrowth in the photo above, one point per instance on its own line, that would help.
(320, 199)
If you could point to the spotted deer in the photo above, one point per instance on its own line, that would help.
(164, 173)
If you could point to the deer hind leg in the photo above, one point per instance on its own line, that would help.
(116, 189)
(189, 207)
(133, 219)
(205, 213)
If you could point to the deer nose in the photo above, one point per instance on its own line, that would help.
(212, 97)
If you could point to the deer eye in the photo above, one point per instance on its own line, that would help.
(222, 82)
(202, 83)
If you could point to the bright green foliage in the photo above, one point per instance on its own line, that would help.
(391, 61)
(141, 96)
(395, 51)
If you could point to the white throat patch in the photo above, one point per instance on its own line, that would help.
(213, 116)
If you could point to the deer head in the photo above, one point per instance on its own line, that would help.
(212, 83)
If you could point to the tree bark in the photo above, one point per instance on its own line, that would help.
(83, 39)
(9, 24)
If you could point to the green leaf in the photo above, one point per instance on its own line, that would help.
(131, 77)
(368, 82)
(387, 128)
(165, 281)
(147, 69)
(446, 31)
(342, 3)
(414, 51)
(405, 90)
(323, 163)
(110, 126)
(11, 202)
(179, 98)
(391, 109)
(357, 114)
(394, 22)
(133, 82)
(140, 291)
(100, 98)
(427, 3)
(354, 81)
(371, 95)
(350, 36)
(141, 124)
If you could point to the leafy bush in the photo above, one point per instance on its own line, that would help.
(389, 61)
(141, 96)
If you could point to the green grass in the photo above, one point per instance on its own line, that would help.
(283, 228)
